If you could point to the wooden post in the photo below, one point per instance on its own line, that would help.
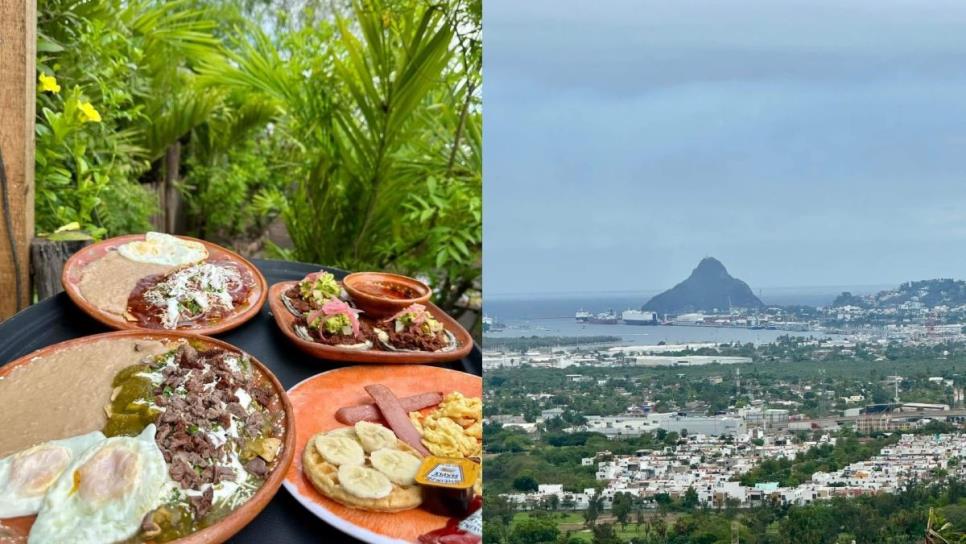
(48, 256)
(173, 216)
(18, 74)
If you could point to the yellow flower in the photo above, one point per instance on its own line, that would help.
(49, 84)
(89, 113)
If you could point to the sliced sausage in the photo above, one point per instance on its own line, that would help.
(350, 415)
(396, 416)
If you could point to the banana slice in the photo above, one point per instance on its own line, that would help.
(374, 436)
(347, 432)
(340, 450)
(399, 466)
(363, 482)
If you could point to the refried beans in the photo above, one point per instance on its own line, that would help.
(63, 394)
(107, 282)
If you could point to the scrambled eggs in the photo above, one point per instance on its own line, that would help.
(454, 428)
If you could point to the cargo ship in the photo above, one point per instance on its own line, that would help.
(583, 316)
(639, 317)
(492, 325)
(604, 318)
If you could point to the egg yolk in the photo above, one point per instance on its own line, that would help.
(109, 474)
(32, 472)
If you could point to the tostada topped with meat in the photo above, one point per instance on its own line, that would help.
(336, 324)
(415, 329)
(312, 292)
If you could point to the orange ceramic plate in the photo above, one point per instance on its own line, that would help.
(285, 320)
(232, 523)
(315, 401)
(78, 261)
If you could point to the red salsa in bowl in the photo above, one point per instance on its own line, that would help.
(381, 294)
(388, 289)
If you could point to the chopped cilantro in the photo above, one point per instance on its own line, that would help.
(191, 306)
(167, 391)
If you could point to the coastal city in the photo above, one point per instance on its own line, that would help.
(728, 423)
(861, 397)
(933, 310)
(724, 302)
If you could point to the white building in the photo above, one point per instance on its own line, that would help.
(708, 425)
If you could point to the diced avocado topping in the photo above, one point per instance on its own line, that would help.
(429, 325)
(333, 324)
(406, 319)
(321, 288)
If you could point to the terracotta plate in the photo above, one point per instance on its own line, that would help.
(76, 264)
(315, 401)
(285, 320)
(230, 524)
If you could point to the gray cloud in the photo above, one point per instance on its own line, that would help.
(800, 145)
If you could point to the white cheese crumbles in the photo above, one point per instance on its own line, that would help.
(243, 398)
(225, 493)
(226, 441)
(193, 291)
(233, 363)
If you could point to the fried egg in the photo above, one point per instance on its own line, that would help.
(104, 494)
(164, 249)
(26, 475)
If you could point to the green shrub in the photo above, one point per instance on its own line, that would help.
(379, 129)
(113, 80)
(235, 195)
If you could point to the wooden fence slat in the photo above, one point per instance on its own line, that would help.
(18, 52)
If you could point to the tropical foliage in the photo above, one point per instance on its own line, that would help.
(357, 126)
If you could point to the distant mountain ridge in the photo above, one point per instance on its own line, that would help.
(931, 293)
(709, 287)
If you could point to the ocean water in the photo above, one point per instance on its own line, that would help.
(553, 315)
(641, 335)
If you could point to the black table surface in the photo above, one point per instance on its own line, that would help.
(283, 520)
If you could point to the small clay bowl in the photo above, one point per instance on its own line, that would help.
(381, 294)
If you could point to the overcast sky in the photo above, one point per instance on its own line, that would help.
(801, 143)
